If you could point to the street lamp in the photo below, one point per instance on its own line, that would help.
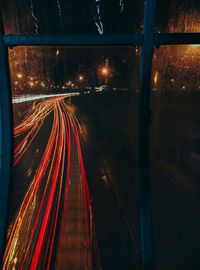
(19, 75)
(105, 71)
(81, 78)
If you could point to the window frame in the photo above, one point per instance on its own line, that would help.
(147, 40)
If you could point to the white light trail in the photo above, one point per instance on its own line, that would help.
(35, 20)
(99, 26)
(121, 4)
(60, 13)
(97, 17)
(24, 98)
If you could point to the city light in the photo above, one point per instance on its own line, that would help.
(156, 77)
(105, 71)
(19, 75)
(42, 84)
(81, 78)
(31, 84)
(195, 45)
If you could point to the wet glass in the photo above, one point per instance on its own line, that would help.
(175, 156)
(74, 200)
(178, 16)
(72, 17)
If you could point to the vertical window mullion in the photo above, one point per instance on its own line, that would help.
(6, 120)
(143, 135)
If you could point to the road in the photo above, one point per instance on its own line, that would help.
(55, 215)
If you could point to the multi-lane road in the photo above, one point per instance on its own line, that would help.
(55, 215)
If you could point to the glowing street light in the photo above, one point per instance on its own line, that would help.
(105, 71)
(156, 77)
(31, 84)
(156, 80)
(19, 75)
(81, 78)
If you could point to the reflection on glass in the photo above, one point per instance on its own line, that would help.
(74, 196)
(72, 17)
(178, 16)
(175, 156)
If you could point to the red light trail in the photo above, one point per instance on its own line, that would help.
(46, 211)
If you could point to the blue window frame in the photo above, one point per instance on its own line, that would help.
(148, 40)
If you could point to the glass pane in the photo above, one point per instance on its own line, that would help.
(175, 156)
(74, 195)
(178, 16)
(72, 17)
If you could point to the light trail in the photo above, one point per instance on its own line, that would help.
(87, 202)
(31, 235)
(59, 13)
(21, 98)
(97, 17)
(121, 4)
(35, 20)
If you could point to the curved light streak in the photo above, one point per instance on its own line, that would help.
(31, 235)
